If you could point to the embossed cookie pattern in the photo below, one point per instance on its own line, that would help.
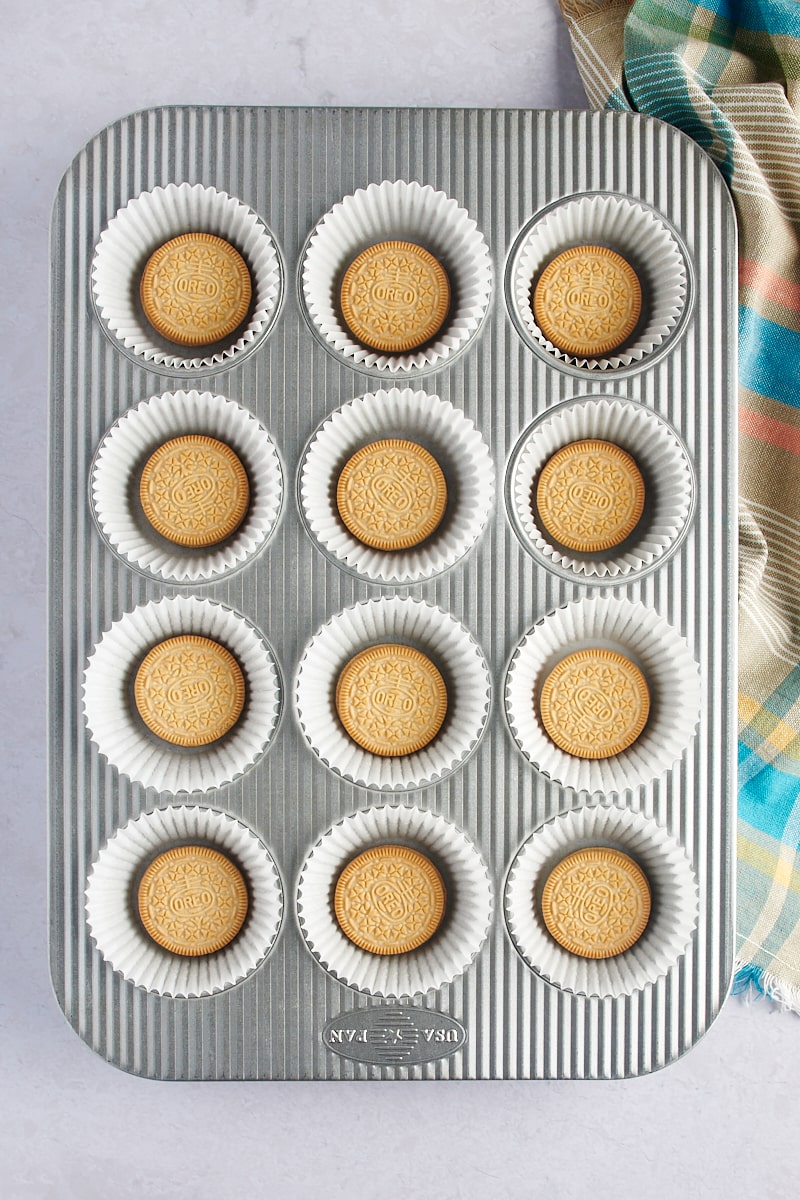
(195, 289)
(389, 900)
(189, 690)
(594, 703)
(194, 491)
(590, 496)
(587, 301)
(596, 902)
(391, 700)
(192, 900)
(394, 297)
(391, 494)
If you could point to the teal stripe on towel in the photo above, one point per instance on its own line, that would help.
(769, 357)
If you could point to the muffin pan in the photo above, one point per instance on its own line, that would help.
(489, 597)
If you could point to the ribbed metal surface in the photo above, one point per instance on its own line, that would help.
(291, 166)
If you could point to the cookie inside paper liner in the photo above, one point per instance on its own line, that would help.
(213, 493)
(427, 630)
(189, 690)
(589, 496)
(460, 933)
(195, 289)
(192, 900)
(670, 879)
(395, 296)
(391, 699)
(593, 495)
(443, 514)
(587, 301)
(594, 703)
(391, 494)
(124, 941)
(194, 490)
(398, 211)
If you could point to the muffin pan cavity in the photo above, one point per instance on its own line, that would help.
(410, 623)
(641, 239)
(117, 472)
(148, 222)
(122, 939)
(468, 906)
(658, 454)
(398, 211)
(458, 449)
(119, 732)
(622, 631)
(673, 900)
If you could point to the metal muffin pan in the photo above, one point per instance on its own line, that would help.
(292, 1002)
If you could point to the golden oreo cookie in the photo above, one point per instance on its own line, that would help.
(391, 700)
(192, 900)
(389, 900)
(394, 297)
(594, 703)
(590, 496)
(194, 491)
(391, 494)
(195, 289)
(587, 301)
(596, 902)
(189, 690)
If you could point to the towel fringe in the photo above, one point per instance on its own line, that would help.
(753, 982)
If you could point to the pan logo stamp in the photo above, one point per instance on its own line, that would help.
(394, 1035)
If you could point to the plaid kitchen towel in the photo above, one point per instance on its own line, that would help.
(727, 72)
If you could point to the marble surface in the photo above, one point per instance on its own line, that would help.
(721, 1122)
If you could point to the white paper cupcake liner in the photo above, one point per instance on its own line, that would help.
(468, 907)
(121, 736)
(639, 633)
(121, 938)
(657, 451)
(398, 211)
(143, 225)
(129, 443)
(415, 623)
(634, 231)
(673, 890)
(454, 442)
